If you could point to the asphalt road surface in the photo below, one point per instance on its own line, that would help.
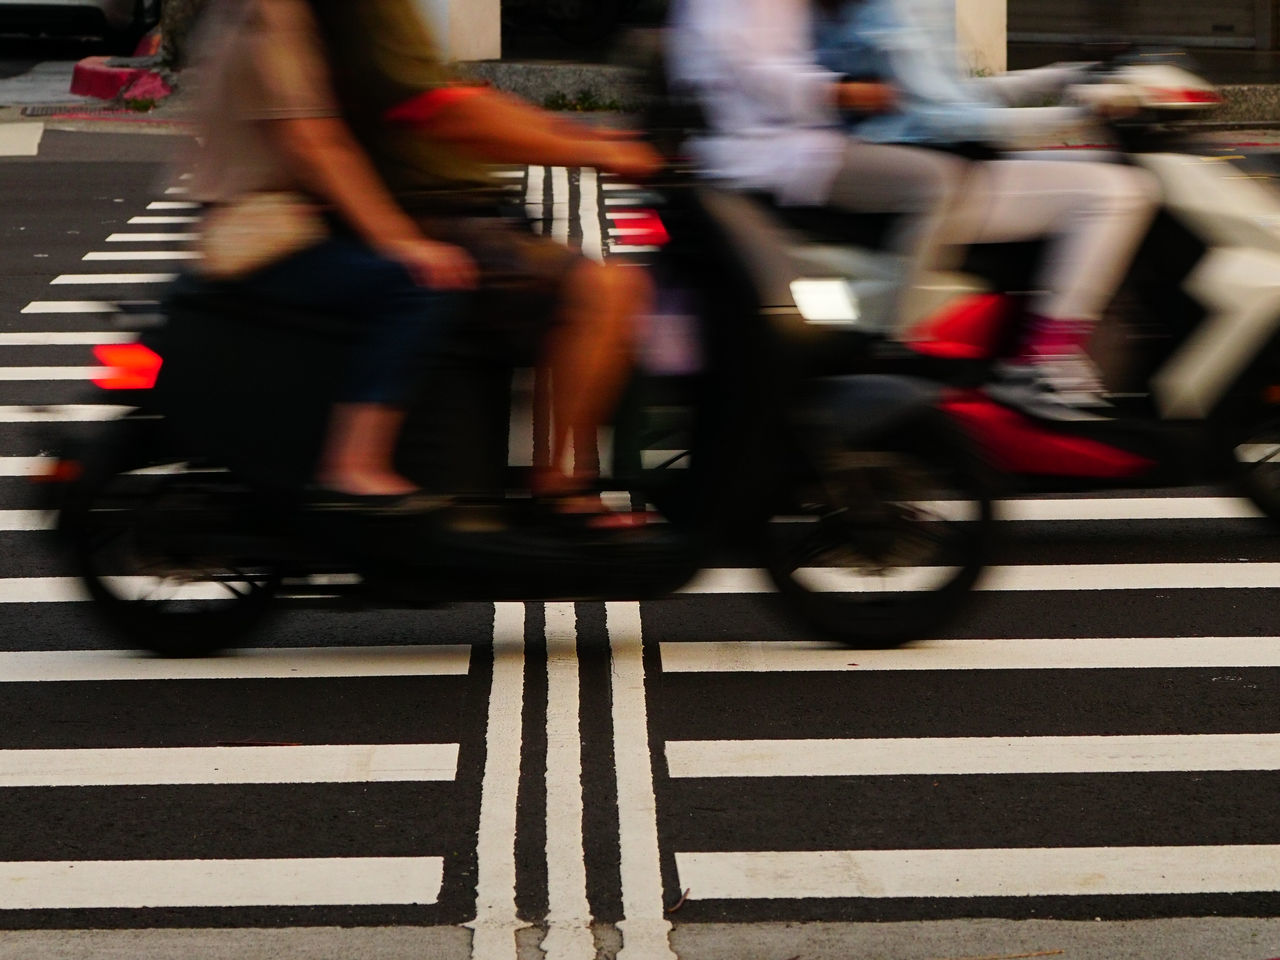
(1097, 738)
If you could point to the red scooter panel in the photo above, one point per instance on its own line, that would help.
(969, 329)
(1018, 444)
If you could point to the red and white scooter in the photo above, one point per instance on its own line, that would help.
(1191, 350)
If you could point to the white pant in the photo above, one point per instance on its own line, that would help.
(1095, 215)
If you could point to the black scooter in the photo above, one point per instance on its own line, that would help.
(188, 523)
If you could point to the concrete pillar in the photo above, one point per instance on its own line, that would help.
(982, 30)
(466, 29)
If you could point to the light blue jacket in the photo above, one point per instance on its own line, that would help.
(907, 44)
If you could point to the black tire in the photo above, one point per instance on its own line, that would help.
(886, 541)
(158, 551)
(1255, 451)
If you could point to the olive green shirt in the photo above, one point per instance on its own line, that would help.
(383, 55)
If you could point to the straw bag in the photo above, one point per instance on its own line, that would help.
(256, 231)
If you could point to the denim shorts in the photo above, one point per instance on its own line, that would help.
(404, 321)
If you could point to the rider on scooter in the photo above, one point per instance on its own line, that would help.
(1095, 214)
(296, 214)
(306, 108)
(431, 136)
(774, 124)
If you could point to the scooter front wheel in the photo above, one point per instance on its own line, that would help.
(883, 544)
(159, 548)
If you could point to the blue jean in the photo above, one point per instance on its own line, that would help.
(404, 320)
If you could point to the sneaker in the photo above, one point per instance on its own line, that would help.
(1065, 387)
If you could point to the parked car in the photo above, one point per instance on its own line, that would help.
(121, 22)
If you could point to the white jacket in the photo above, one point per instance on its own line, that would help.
(770, 106)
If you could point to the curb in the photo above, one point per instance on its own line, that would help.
(98, 77)
(562, 85)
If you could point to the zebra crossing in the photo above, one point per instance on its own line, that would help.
(1096, 737)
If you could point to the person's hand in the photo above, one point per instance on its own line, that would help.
(438, 266)
(629, 159)
(861, 97)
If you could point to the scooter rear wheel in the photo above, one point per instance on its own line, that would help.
(886, 541)
(157, 548)
(1256, 452)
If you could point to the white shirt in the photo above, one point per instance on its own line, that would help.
(770, 106)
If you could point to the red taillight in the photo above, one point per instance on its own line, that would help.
(1186, 96)
(130, 366)
(60, 471)
(639, 228)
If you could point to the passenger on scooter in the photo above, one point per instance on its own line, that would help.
(1095, 214)
(297, 214)
(776, 124)
(432, 135)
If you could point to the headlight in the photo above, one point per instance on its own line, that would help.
(826, 301)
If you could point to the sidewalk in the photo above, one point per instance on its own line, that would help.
(1250, 83)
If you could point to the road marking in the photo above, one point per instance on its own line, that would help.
(66, 339)
(151, 237)
(142, 255)
(24, 466)
(125, 884)
(89, 279)
(173, 205)
(534, 187)
(589, 216)
(52, 373)
(24, 520)
(1049, 577)
(1029, 654)
(645, 928)
(157, 221)
(631, 248)
(497, 918)
(97, 666)
(177, 190)
(568, 918)
(560, 204)
(62, 413)
(1031, 872)
(951, 756)
(20, 139)
(327, 763)
(1128, 508)
(70, 306)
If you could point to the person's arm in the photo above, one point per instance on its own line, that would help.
(325, 154)
(952, 107)
(758, 49)
(330, 162)
(505, 129)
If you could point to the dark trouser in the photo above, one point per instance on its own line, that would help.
(404, 321)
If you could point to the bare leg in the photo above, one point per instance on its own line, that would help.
(359, 448)
(590, 356)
